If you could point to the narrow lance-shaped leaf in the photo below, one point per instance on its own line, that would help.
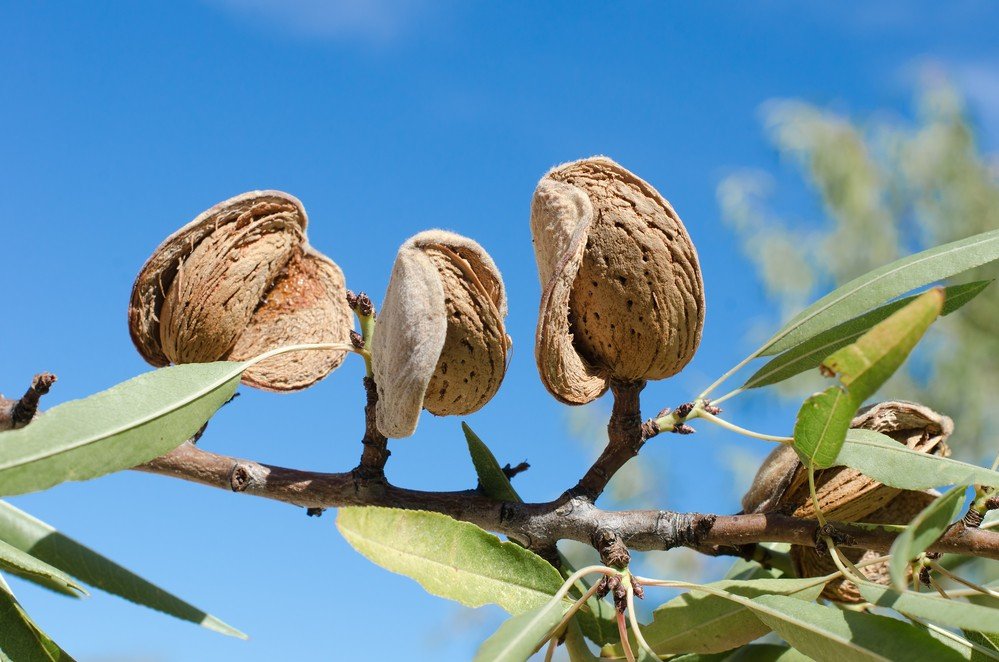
(519, 636)
(27, 566)
(450, 559)
(883, 284)
(598, 621)
(810, 353)
(575, 644)
(37, 538)
(699, 622)
(492, 481)
(953, 613)
(889, 462)
(20, 638)
(828, 633)
(749, 653)
(116, 429)
(987, 640)
(924, 530)
(862, 367)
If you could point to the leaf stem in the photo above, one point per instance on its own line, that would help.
(739, 366)
(960, 580)
(959, 639)
(552, 644)
(700, 413)
(622, 630)
(633, 618)
(727, 396)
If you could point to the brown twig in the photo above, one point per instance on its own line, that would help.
(626, 435)
(375, 452)
(16, 414)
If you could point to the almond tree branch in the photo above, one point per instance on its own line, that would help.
(538, 525)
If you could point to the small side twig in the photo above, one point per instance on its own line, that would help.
(375, 453)
(626, 435)
(510, 472)
(15, 414)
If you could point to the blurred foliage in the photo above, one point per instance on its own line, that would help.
(886, 187)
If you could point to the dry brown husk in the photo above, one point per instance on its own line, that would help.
(238, 280)
(846, 495)
(808, 562)
(440, 342)
(622, 294)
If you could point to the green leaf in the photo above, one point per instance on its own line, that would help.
(37, 538)
(451, 559)
(987, 640)
(809, 354)
(883, 284)
(575, 644)
(492, 481)
(954, 613)
(598, 622)
(748, 653)
(821, 426)
(20, 638)
(698, 622)
(27, 566)
(863, 366)
(828, 633)
(924, 530)
(889, 462)
(520, 635)
(767, 653)
(117, 429)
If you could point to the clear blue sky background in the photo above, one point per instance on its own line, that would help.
(121, 121)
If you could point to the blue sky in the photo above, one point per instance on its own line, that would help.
(121, 121)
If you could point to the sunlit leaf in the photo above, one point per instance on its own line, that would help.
(809, 354)
(953, 613)
(27, 566)
(821, 426)
(828, 633)
(598, 621)
(876, 287)
(37, 538)
(748, 653)
(519, 636)
(924, 530)
(451, 559)
(862, 367)
(889, 462)
(21, 639)
(117, 429)
(698, 622)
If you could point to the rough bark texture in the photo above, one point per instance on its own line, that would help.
(537, 525)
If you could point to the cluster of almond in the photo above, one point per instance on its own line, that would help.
(622, 298)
